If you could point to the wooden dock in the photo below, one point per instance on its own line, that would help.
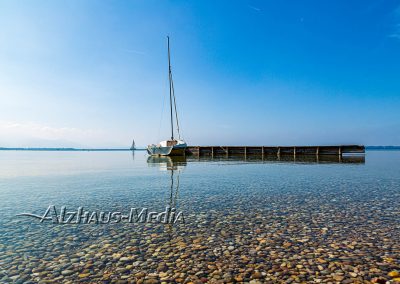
(274, 150)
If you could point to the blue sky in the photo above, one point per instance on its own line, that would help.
(94, 73)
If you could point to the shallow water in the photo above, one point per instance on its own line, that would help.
(245, 220)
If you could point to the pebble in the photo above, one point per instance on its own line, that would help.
(394, 274)
(67, 272)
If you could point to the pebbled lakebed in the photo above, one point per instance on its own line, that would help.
(245, 221)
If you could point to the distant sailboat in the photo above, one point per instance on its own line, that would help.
(172, 147)
(133, 147)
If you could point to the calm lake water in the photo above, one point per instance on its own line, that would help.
(244, 220)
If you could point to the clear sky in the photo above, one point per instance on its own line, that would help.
(94, 73)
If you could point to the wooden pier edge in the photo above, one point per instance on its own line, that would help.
(337, 150)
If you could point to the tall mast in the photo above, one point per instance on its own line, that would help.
(170, 90)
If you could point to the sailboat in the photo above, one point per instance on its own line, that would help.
(133, 147)
(172, 147)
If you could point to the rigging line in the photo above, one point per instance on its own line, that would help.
(176, 112)
(162, 112)
(170, 104)
(170, 91)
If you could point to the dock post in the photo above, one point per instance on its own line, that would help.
(317, 152)
(294, 152)
(212, 152)
(340, 150)
(245, 151)
(262, 152)
(227, 151)
(279, 152)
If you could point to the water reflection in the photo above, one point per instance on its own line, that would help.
(175, 166)
(306, 159)
(177, 163)
(167, 163)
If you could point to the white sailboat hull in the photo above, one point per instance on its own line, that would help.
(158, 151)
(163, 150)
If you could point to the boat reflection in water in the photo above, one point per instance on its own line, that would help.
(175, 165)
(168, 163)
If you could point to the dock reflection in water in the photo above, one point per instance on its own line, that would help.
(306, 159)
(178, 163)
